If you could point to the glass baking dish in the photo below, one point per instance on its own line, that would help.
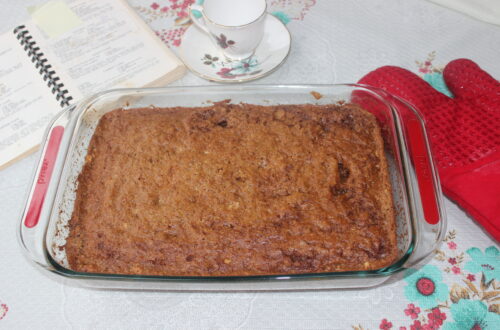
(416, 191)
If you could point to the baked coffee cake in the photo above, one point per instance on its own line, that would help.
(234, 189)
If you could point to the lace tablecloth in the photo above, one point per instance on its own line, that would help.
(333, 42)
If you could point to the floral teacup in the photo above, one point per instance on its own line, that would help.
(235, 26)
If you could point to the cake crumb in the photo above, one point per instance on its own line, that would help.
(316, 95)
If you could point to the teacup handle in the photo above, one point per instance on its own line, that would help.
(197, 20)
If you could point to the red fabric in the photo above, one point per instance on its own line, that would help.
(464, 132)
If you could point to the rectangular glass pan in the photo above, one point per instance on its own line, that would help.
(415, 186)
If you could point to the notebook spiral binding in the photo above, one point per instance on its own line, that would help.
(45, 69)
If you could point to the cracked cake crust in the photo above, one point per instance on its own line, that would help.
(234, 189)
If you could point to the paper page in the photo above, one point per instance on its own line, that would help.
(109, 48)
(26, 103)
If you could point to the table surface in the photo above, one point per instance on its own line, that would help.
(333, 42)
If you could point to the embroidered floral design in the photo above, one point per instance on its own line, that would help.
(427, 66)
(486, 291)
(488, 262)
(456, 270)
(475, 306)
(176, 9)
(433, 75)
(385, 325)
(458, 292)
(472, 303)
(174, 15)
(425, 286)
(295, 10)
(472, 314)
(417, 325)
(171, 37)
(412, 311)
(3, 310)
(436, 80)
(436, 317)
(156, 6)
(455, 259)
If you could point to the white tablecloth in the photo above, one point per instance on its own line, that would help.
(333, 42)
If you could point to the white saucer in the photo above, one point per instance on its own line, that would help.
(201, 56)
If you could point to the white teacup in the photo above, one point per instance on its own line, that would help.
(235, 26)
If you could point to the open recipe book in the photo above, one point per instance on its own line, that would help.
(68, 50)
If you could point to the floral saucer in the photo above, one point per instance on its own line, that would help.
(201, 56)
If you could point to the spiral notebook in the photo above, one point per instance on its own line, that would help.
(69, 50)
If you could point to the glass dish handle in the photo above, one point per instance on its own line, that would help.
(427, 201)
(33, 224)
(42, 183)
(423, 168)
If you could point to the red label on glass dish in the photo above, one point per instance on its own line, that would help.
(42, 183)
(421, 162)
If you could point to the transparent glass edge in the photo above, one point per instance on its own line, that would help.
(416, 203)
(21, 239)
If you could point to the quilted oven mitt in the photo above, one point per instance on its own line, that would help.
(464, 132)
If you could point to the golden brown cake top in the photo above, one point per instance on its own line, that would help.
(234, 189)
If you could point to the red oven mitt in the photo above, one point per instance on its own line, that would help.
(464, 132)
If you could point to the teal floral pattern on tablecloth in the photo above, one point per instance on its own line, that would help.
(487, 262)
(433, 75)
(436, 80)
(171, 17)
(470, 301)
(472, 314)
(197, 13)
(426, 287)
